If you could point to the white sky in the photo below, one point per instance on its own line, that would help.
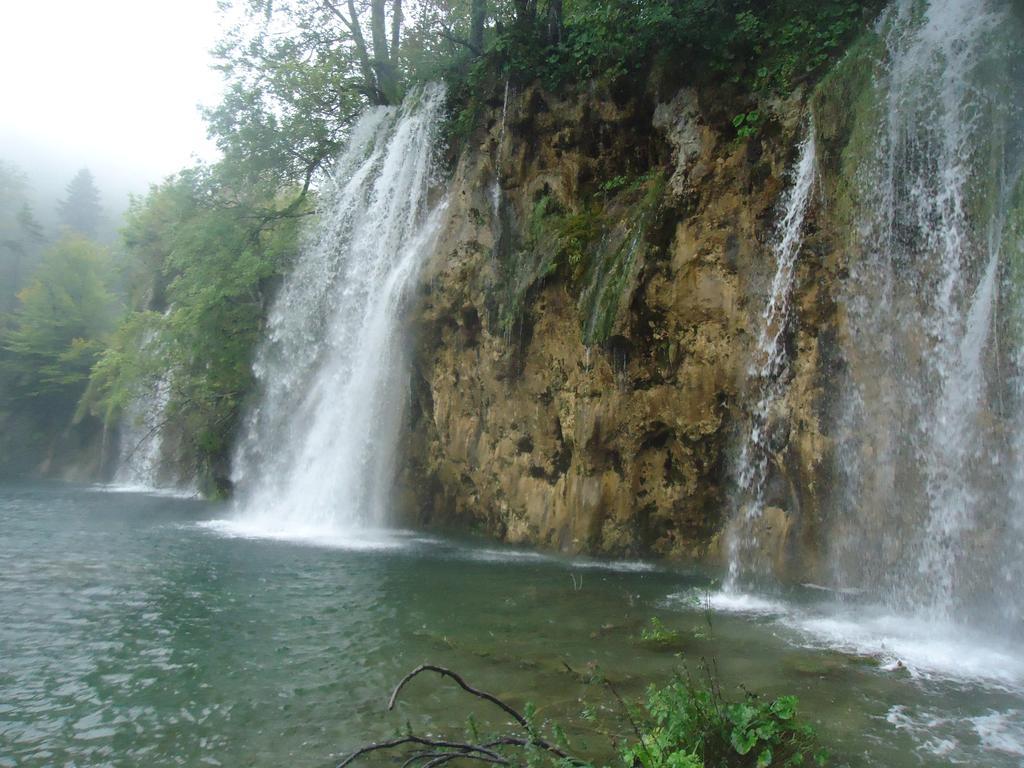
(111, 84)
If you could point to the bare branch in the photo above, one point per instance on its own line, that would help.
(344, 19)
(466, 750)
(437, 752)
(444, 672)
(447, 34)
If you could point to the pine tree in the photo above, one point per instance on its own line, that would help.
(29, 227)
(80, 212)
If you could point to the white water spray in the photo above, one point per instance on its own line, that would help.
(922, 449)
(770, 365)
(146, 460)
(317, 454)
(141, 440)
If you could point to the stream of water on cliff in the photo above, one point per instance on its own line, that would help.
(768, 369)
(924, 549)
(927, 444)
(316, 457)
(141, 438)
(141, 462)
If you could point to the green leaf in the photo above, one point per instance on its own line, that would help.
(784, 707)
(742, 740)
(765, 758)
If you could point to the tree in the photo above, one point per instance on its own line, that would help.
(13, 186)
(442, 33)
(21, 236)
(80, 211)
(64, 315)
(28, 225)
(477, 20)
(204, 255)
(298, 73)
(381, 77)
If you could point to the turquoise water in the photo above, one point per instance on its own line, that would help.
(132, 632)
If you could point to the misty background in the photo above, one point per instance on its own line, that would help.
(113, 86)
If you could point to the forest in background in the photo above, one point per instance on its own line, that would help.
(88, 326)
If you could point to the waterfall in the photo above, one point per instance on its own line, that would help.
(926, 446)
(140, 451)
(145, 458)
(317, 453)
(770, 364)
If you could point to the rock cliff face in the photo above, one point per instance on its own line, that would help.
(584, 329)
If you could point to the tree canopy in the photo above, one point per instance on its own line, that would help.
(80, 211)
(64, 316)
(21, 236)
(204, 258)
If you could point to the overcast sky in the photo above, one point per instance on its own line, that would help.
(109, 84)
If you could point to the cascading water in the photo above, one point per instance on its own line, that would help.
(768, 369)
(926, 443)
(140, 451)
(146, 458)
(317, 452)
(924, 524)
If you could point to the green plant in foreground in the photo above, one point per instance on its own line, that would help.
(656, 633)
(692, 724)
(684, 724)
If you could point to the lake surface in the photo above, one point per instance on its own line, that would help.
(144, 630)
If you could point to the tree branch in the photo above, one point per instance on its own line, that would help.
(447, 34)
(365, 66)
(466, 750)
(445, 672)
(435, 753)
(396, 29)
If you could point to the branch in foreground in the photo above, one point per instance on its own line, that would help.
(437, 752)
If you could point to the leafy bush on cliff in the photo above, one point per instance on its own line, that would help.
(753, 46)
(206, 259)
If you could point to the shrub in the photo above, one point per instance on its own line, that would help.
(689, 723)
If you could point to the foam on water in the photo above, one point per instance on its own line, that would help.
(932, 655)
(329, 537)
(618, 566)
(149, 490)
(951, 738)
(735, 602)
(926, 649)
(510, 555)
(1001, 731)
(506, 555)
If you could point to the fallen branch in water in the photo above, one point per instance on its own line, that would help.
(433, 753)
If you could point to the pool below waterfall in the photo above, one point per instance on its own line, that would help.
(138, 629)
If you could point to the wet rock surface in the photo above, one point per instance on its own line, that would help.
(542, 414)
